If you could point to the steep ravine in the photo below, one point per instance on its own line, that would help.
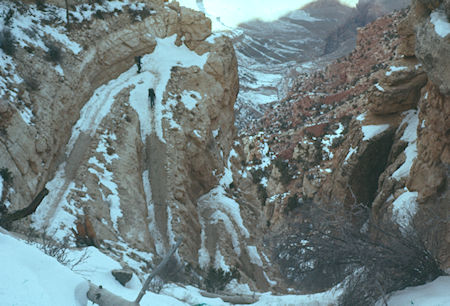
(370, 128)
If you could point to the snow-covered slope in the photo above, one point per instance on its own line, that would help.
(32, 278)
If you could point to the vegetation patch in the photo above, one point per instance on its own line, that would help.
(370, 258)
(285, 171)
(262, 194)
(217, 279)
(7, 42)
(54, 53)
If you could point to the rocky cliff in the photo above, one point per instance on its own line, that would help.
(124, 175)
(370, 128)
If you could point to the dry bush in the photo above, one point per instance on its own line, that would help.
(377, 257)
(217, 279)
(7, 42)
(57, 249)
(54, 52)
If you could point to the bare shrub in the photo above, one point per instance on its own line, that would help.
(293, 202)
(8, 17)
(6, 176)
(99, 14)
(156, 285)
(377, 257)
(7, 42)
(40, 4)
(54, 53)
(54, 248)
(49, 246)
(285, 171)
(217, 279)
(173, 271)
(139, 15)
(31, 83)
(262, 194)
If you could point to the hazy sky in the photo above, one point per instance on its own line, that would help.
(233, 12)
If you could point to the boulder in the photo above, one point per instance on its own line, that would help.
(122, 276)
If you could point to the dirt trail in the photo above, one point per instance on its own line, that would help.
(73, 162)
(155, 163)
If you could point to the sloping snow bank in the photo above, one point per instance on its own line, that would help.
(371, 131)
(435, 293)
(29, 277)
(441, 25)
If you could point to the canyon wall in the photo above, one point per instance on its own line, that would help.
(122, 174)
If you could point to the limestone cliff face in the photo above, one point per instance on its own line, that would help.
(134, 172)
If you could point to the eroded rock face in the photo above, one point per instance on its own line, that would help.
(432, 50)
(421, 135)
(399, 89)
(368, 132)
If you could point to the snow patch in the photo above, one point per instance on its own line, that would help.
(26, 115)
(323, 298)
(441, 25)
(197, 134)
(302, 15)
(203, 254)
(271, 282)
(190, 99)
(32, 278)
(435, 293)
(220, 262)
(254, 256)
(351, 151)
(155, 74)
(378, 86)
(226, 209)
(327, 140)
(220, 216)
(105, 178)
(215, 133)
(63, 216)
(404, 208)
(410, 136)
(361, 117)
(395, 69)
(371, 131)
